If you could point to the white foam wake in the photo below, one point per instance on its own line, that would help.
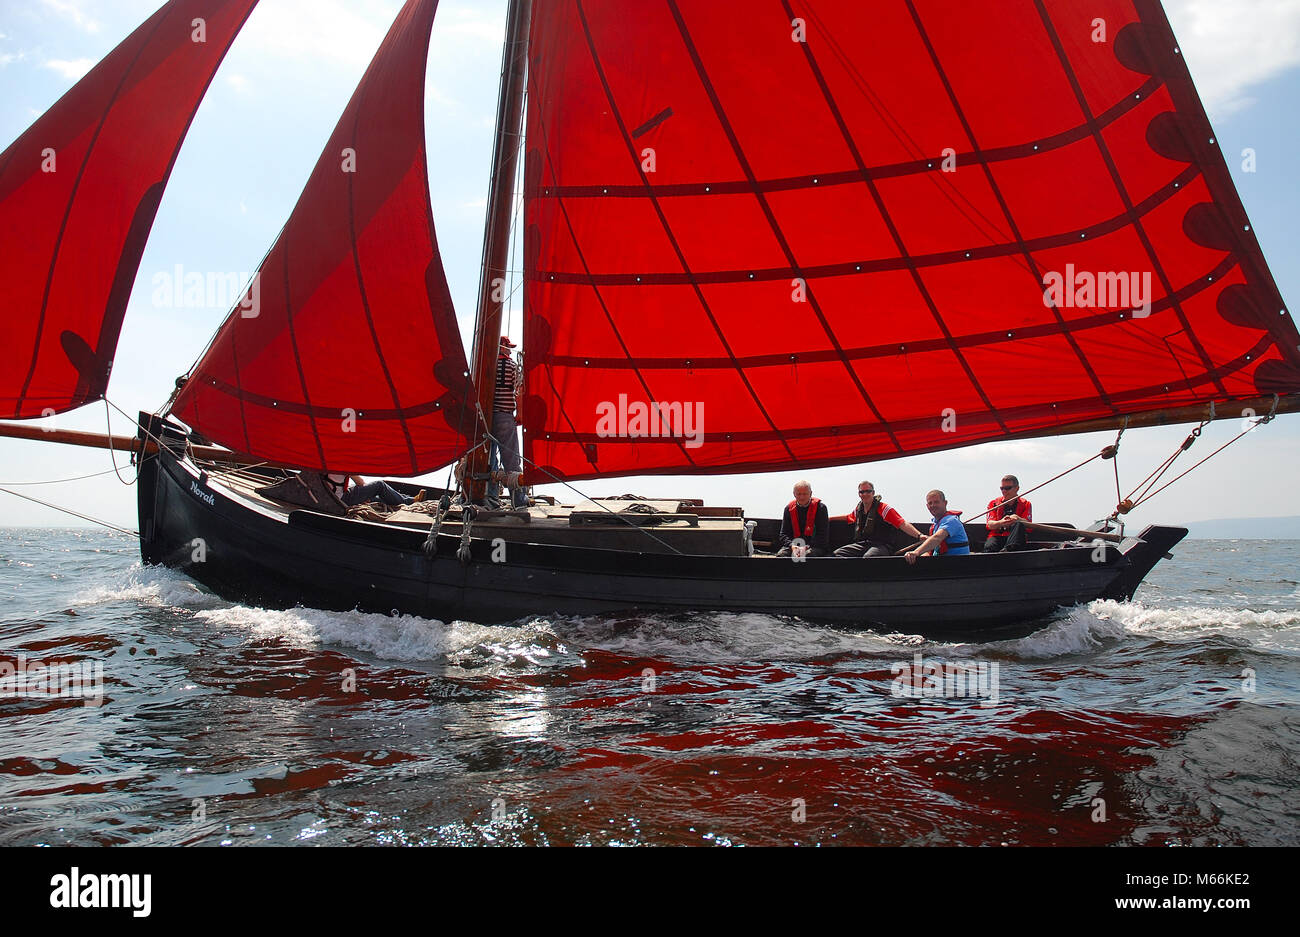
(154, 586)
(1270, 628)
(389, 637)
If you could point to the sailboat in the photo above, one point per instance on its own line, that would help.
(829, 232)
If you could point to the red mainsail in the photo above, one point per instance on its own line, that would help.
(78, 194)
(815, 232)
(346, 354)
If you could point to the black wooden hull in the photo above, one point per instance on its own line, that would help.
(257, 557)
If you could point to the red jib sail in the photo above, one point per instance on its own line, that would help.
(78, 194)
(346, 354)
(814, 232)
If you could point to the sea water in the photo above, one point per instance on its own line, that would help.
(1169, 720)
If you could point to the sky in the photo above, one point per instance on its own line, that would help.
(287, 79)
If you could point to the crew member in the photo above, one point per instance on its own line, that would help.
(1004, 531)
(504, 428)
(947, 533)
(353, 490)
(878, 529)
(805, 519)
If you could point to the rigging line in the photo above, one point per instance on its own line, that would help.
(1036, 487)
(59, 481)
(877, 198)
(512, 278)
(765, 206)
(1160, 470)
(614, 514)
(951, 193)
(1148, 497)
(1137, 226)
(84, 517)
(142, 429)
(108, 422)
(1031, 265)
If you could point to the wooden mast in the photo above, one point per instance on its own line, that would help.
(496, 238)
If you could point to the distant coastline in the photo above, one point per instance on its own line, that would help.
(1246, 528)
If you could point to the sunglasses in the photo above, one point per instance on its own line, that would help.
(866, 491)
(1008, 487)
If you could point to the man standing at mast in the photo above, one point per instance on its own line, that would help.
(504, 429)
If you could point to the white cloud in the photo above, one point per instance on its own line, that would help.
(1022, 451)
(336, 30)
(1232, 47)
(438, 96)
(71, 69)
(465, 23)
(6, 59)
(239, 82)
(71, 11)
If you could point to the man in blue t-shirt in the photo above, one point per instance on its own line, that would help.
(947, 533)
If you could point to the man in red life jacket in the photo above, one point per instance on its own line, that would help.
(805, 523)
(1004, 532)
(878, 529)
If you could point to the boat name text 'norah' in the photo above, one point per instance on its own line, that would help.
(202, 495)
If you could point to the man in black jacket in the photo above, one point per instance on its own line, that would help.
(805, 525)
(878, 529)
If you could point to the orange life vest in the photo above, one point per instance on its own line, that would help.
(810, 522)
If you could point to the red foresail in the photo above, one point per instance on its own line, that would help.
(813, 232)
(78, 194)
(346, 354)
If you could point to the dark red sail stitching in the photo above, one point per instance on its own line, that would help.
(767, 209)
(854, 176)
(884, 214)
(1034, 269)
(67, 212)
(1120, 221)
(1120, 188)
(654, 201)
(361, 282)
(297, 359)
(1222, 189)
(1063, 410)
(318, 411)
(596, 291)
(972, 340)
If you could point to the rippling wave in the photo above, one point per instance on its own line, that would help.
(1166, 720)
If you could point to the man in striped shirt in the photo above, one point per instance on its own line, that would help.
(504, 428)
